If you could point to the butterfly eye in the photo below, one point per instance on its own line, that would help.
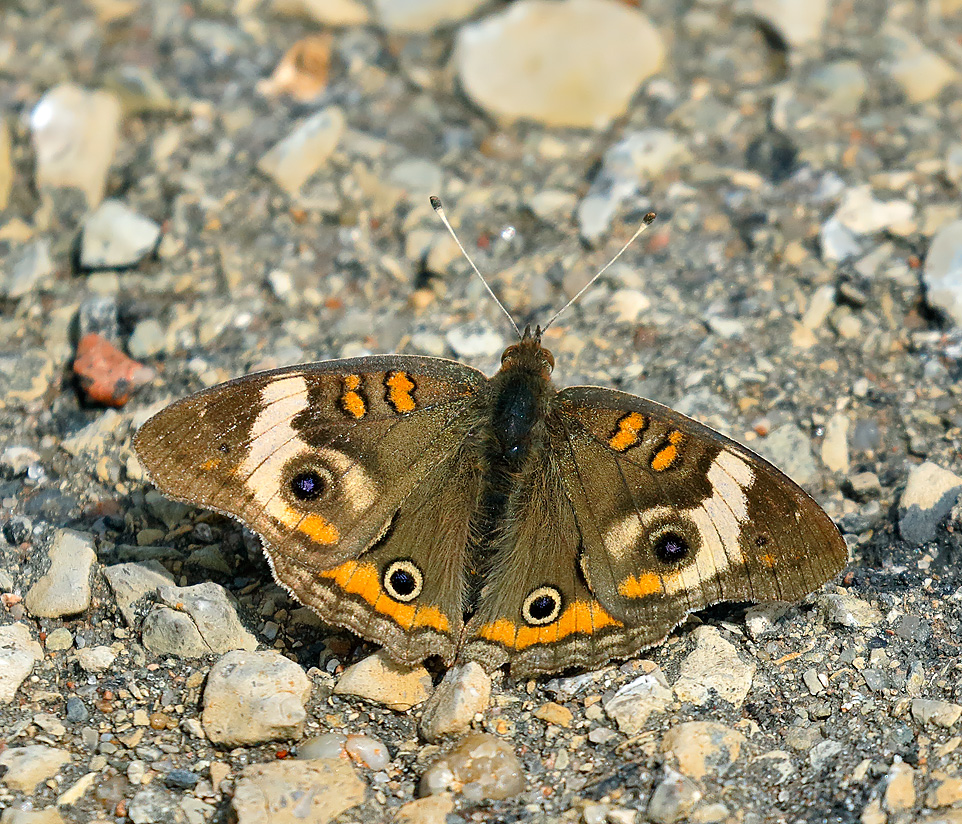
(403, 581)
(308, 485)
(671, 548)
(542, 606)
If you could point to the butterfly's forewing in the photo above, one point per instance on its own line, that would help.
(675, 517)
(322, 461)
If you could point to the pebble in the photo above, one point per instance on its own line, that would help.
(253, 697)
(714, 669)
(422, 16)
(899, 793)
(31, 267)
(295, 159)
(132, 581)
(702, 748)
(942, 274)
(303, 71)
(64, 589)
(673, 799)
(380, 680)
(790, 450)
(194, 621)
(946, 792)
(510, 63)
(26, 377)
(835, 453)
(846, 610)
(838, 243)
(18, 653)
(475, 340)
(333, 13)
(24, 768)
(147, 339)
(632, 704)
(940, 713)
(150, 805)
(58, 640)
(75, 134)
(77, 711)
(823, 752)
(800, 22)
(930, 493)
(49, 815)
(861, 213)
(481, 768)
(106, 375)
(464, 692)
(434, 809)
(773, 767)
(553, 713)
(96, 659)
(632, 162)
(116, 237)
(919, 72)
(296, 792)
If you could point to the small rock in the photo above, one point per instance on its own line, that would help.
(861, 213)
(510, 63)
(464, 692)
(940, 713)
(152, 804)
(761, 619)
(292, 161)
(773, 767)
(481, 768)
(296, 792)
(552, 713)
(49, 815)
(64, 589)
(30, 268)
(702, 748)
(790, 450)
(253, 697)
(835, 454)
(26, 767)
(899, 793)
(475, 340)
(799, 22)
(920, 73)
(714, 669)
(147, 339)
(930, 493)
(96, 659)
(823, 752)
(106, 374)
(77, 711)
(837, 242)
(380, 680)
(942, 275)
(945, 793)
(848, 611)
(433, 809)
(204, 613)
(673, 798)
(26, 376)
(865, 485)
(116, 237)
(633, 703)
(367, 751)
(18, 653)
(75, 135)
(303, 70)
(423, 16)
(131, 582)
(58, 640)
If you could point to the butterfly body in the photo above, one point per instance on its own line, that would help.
(439, 512)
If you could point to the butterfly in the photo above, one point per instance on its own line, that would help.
(440, 512)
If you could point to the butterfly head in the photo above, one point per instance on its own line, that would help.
(529, 355)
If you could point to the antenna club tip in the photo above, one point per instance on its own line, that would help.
(436, 202)
(649, 218)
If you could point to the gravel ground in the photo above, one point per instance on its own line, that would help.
(192, 191)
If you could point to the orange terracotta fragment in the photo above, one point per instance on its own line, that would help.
(105, 374)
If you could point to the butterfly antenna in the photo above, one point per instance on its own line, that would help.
(436, 205)
(646, 221)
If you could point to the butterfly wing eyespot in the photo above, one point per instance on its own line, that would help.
(543, 606)
(403, 581)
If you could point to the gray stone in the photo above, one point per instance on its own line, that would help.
(116, 237)
(930, 493)
(632, 705)
(848, 611)
(790, 450)
(510, 63)
(58, 640)
(146, 340)
(714, 669)
(96, 659)
(673, 798)
(940, 713)
(18, 653)
(942, 275)
(823, 752)
(65, 588)
(28, 269)
(133, 581)
(253, 697)
(213, 610)
(464, 692)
